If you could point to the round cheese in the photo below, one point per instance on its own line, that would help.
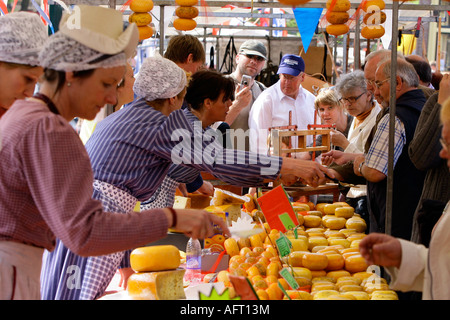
(155, 258)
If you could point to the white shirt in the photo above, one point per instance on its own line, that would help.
(357, 137)
(271, 109)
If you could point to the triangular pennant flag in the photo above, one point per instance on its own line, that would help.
(307, 20)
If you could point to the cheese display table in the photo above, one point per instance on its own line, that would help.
(279, 250)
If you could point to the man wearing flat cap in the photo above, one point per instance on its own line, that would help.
(250, 60)
(284, 103)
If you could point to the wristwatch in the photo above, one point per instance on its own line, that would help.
(360, 167)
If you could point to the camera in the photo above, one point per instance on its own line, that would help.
(245, 81)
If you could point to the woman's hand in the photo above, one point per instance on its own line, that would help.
(197, 224)
(338, 139)
(381, 249)
(125, 273)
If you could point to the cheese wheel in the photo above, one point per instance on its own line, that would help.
(231, 247)
(339, 241)
(335, 223)
(312, 221)
(372, 32)
(140, 18)
(145, 32)
(373, 5)
(155, 258)
(340, 5)
(141, 5)
(315, 261)
(186, 3)
(299, 244)
(186, 12)
(316, 241)
(356, 223)
(374, 18)
(336, 274)
(298, 295)
(324, 294)
(359, 295)
(295, 258)
(318, 286)
(335, 261)
(162, 285)
(336, 17)
(355, 263)
(344, 212)
(384, 295)
(302, 272)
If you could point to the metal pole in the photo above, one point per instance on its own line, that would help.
(161, 30)
(392, 102)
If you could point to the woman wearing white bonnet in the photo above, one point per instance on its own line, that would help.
(22, 35)
(49, 193)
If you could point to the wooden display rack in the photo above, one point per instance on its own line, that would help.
(277, 136)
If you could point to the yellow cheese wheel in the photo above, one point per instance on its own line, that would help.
(299, 244)
(141, 5)
(372, 32)
(255, 241)
(145, 32)
(318, 286)
(336, 17)
(231, 247)
(335, 223)
(331, 207)
(340, 5)
(312, 221)
(374, 18)
(186, 12)
(324, 294)
(186, 3)
(373, 5)
(359, 295)
(155, 258)
(302, 272)
(140, 18)
(315, 261)
(162, 285)
(344, 212)
(316, 241)
(384, 295)
(339, 241)
(336, 274)
(301, 207)
(335, 261)
(337, 29)
(356, 223)
(295, 258)
(355, 263)
(298, 295)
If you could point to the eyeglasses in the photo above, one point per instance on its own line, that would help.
(351, 99)
(370, 82)
(378, 84)
(444, 144)
(254, 56)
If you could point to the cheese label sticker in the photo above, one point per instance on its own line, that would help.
(287, 221)
(283, 245)
(289, 278)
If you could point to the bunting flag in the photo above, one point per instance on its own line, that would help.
(307, 20)
(3, 8)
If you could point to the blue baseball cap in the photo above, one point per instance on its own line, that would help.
(291, 64)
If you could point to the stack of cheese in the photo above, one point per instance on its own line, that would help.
(337, 16)
(158, 276)
(373, 19)
(227, 201)
(186, 12)
(142, 17)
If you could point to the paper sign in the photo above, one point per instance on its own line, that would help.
(283, 245)
(289, 278)
(275, 203)
(287, 221)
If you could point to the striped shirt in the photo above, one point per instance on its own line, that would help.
(378, 154)
(134, 147)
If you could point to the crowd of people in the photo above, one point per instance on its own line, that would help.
(73, 209)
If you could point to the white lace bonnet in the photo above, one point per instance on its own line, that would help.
(22, 35)
(159, 78)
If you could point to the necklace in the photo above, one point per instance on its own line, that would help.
(47, 101)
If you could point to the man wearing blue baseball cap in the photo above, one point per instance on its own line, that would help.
(284, 103)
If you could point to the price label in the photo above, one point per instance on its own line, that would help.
(283, 245)
(289, 278)
(287, 221)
